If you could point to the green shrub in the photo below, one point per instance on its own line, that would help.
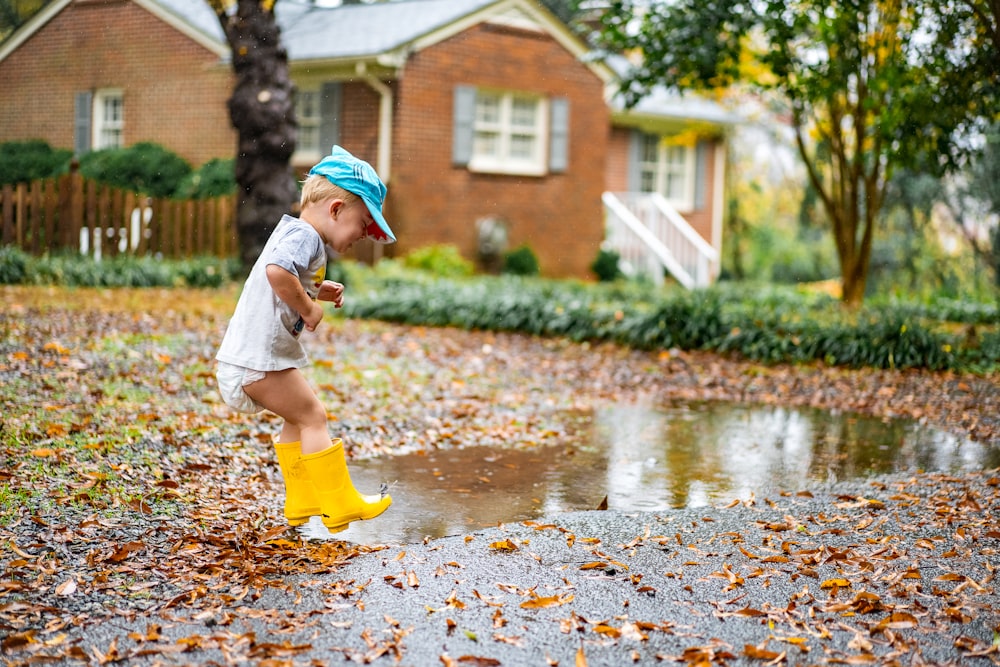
(207, 271)
(144, 167)
(766, 324)
(521, 261)
(24, 161)
(72, 270)
(444, 261)
(13, 265)
(121, 271)
(215, 178)
(605, 266)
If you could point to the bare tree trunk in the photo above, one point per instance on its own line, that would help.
(261, 109)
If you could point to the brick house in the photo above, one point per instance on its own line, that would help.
(475, 112)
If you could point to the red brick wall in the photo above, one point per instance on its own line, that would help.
(616, 177)
(432, 202)
(175, 90)
(701, 219)
(359, 121)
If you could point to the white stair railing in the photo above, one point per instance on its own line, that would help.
(649, 236)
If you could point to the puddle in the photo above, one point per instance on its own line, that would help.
(647, 459)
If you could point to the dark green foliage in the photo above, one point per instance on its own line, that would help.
(144, 167)
(25, 161)
(767, 324)
(13, 265)
(215, 178)
(521, 261)
(605, 266)
(70, 270)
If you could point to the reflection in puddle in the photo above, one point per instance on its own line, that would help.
(646, 458)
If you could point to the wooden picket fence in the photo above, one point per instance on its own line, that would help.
(71, 213)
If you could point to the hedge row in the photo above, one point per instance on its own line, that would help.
(20, 268)
(770, 326)
(767, 324)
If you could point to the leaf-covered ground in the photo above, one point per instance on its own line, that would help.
(128, 492)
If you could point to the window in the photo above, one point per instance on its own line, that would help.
(307, 110)
(509, 133)
(667, 169)
(109, 119)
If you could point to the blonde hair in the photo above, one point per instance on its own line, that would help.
(317, 188)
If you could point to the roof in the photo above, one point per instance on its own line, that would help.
(382, 30)
(311, 31)
(665, 104)
(351, 31)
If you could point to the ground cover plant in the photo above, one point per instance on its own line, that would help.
(127, 491)
(762, 323)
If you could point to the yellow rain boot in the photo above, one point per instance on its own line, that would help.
(300, 499)
(339, 502)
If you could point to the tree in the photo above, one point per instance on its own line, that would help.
(14, 13)
(871, 86)
(261, 109)
(974, 203)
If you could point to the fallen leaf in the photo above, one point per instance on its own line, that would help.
(66, 588)
(477, 661)
(550, 601)
(505, 546)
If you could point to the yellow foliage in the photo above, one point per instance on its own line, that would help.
(687, 138)
(220, 6)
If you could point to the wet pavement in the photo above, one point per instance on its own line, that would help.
(647, 459)
(889, 571)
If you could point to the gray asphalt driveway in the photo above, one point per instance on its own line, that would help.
(900, 570)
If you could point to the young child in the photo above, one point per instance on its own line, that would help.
(260, 355)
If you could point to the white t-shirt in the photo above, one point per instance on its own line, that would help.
(260, 334)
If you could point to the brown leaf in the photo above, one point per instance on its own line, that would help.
(901, 619)
(549, 601)
(760, 652)
(607, 631)
(123, 551)
(595, 565)
(504, 546)
(478, 661)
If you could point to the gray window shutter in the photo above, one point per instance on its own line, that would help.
(634, 153)
(330, 105)
(700, 175)
(465, 118)
(81, 122)
(559, 135)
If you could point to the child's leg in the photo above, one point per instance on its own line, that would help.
(287, 394)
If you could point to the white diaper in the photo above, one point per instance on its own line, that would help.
(231, 380)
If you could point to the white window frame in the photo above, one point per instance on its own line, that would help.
(108, 130)
(670, 172)
(309, 115)
(504, 132)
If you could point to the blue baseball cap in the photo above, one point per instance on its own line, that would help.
(357, 176)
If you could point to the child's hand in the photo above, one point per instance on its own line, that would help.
(312, 320)
(331, 291)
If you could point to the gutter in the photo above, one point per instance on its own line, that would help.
(383, 164)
